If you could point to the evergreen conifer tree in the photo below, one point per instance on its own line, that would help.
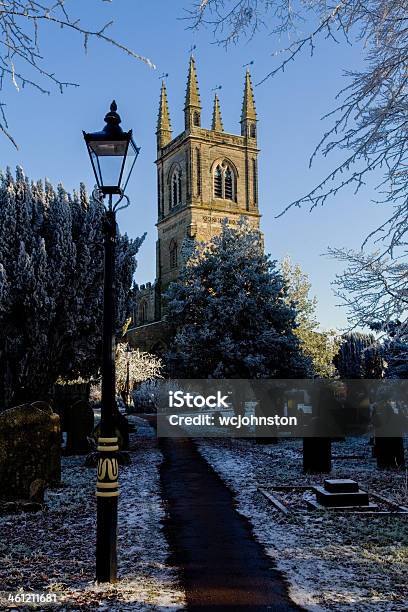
(51, 286)
(229, 313)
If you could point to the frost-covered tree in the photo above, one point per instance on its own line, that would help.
(51, 286)
(359, 356)
(133, 367)
(230, 315)
(395, 351)
(320, 346)
(394, 348)
(373, 288)
(24, 25)
(375, 291)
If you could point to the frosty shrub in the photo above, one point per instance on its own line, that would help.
(132, 368)
(135, 366)
(95, 393)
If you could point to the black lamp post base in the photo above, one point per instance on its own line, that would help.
(106, 537)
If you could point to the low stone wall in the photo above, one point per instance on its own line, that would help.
(30, 449)
(151, 338)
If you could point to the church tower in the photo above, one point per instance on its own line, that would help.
(203, 176)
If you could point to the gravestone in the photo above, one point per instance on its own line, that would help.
(389, 443)
(44, 406)
(80, 425)
(37, 490)
(54, 475)
(29, 449)
(317, 455)
(389, 453)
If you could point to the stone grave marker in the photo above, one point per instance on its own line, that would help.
(317, 456)
(29, 449)
(389, 453)
(80, 426)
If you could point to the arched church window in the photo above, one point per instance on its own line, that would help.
(218, 182)
(175, 188)
(173, 254)
(143, 312)
(252, 130)
(196, 119)
(228, 184)
(224, 182)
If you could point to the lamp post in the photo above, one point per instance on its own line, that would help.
(113, 154)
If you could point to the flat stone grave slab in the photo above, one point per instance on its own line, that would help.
(329, 499)
(300, 499)
(341, 485)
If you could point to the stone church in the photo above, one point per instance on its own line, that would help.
(203, 176)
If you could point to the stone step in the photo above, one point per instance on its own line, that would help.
(341, 485)
(358, 498)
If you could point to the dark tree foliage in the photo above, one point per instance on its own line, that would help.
(394, 348)
(359, 356)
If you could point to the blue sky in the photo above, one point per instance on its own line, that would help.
(290, 106)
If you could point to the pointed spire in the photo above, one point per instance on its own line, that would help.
(248, 105)
(248, 115)
(217, 119)
(192, 93)
(192, 108)
(163, 120)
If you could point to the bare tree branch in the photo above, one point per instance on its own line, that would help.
(374, 289)
(371, 120)
(20, 29)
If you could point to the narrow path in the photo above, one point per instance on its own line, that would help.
(224, 567)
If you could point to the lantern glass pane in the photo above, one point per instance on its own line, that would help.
(131, 157)
(96, 167)
(108, 160)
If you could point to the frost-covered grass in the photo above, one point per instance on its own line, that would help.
(55, 550)
(332, 561)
